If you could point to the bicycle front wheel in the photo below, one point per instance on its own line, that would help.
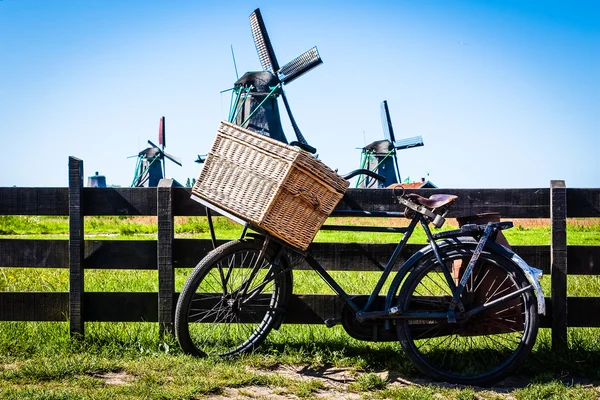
(232, 300)
(479, 348)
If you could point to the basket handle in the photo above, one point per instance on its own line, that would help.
(311, 197)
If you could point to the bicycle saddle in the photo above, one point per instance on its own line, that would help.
(434, 201)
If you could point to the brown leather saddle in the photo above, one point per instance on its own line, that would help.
(434, 201)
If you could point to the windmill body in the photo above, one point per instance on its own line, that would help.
(259, 111)
(254, 101)
(149, 170)
(150, 167)
(381, 156)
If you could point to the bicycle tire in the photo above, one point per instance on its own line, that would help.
(214, 318)
(479, 350)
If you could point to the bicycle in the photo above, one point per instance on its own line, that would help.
(464, 308)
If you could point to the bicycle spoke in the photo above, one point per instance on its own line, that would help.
(482, 280)
(479, 346)
(220, 319)
(433, 339)
(430, 331)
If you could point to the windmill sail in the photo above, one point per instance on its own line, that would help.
(300, 65)
(416, 141)
(291, 71)
(263, 43)
(162, 139)
(386, 122)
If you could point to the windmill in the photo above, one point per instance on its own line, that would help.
(381, 155)
(254, 100)
(151, 162)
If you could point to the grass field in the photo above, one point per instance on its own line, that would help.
(129, 360)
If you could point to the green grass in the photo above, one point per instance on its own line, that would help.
(14, 225)
(39, 360)
(579, 232)
(308, 282)
(368, 382)
(556, 390)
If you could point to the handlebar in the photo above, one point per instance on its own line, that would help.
(363, 171)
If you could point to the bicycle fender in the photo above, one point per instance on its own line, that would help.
(532, 274)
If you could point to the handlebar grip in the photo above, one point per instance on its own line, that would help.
(363, 171)
(304, 146)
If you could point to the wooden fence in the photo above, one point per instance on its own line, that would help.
(166, 253)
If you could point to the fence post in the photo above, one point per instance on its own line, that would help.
(166, 275)
(76, 247)
(558, 216)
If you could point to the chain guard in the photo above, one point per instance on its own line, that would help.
(369, 331)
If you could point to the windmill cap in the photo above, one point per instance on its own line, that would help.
(380, 146)
(150, 152)
(262, 81)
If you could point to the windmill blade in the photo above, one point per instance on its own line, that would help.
(153, 145)
(162, 132)
(299, 135)
(263, 43)
(386, 121)
(171, 157)
(415, 141)
(300, 65)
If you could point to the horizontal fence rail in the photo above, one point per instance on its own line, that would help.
(141, 255)
(167, 252)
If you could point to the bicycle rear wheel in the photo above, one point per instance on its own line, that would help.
(223, 308)
(475, 350)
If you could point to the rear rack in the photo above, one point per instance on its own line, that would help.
(472, 230)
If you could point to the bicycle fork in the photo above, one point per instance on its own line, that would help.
(456, 292)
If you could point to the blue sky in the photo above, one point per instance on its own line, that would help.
(504, 93)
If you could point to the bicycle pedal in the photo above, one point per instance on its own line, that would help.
(331, 322)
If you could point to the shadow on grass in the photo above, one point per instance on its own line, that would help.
(325, 359)
(315, 352)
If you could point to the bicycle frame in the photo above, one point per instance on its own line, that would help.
(391, 312)
(317, 267)
(367, 313)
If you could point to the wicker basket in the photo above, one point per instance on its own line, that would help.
(279, 188)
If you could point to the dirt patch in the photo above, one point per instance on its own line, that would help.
(9, 367)
(336, 382)
(251, 392)
(338, 378)
(258, 392)
(115, 378)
